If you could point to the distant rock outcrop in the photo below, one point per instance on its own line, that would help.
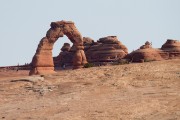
(145, 53)
(107, 49)
(66, 47)
(65, 57)
(169, 50)
(171, 46)
(87, 42)
(110, 49)
(146, 45)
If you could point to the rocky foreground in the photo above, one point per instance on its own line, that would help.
(142, 91)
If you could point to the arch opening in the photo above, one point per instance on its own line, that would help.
(42, 62)
(64, 56)
(59, 44)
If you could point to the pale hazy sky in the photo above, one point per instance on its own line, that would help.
(24, 22)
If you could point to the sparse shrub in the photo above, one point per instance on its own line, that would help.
(42, 75)
(148, 60)
(123, 61)
(88, 65)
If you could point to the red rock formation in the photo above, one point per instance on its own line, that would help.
(171, 45)
(107, 49)
(145, 53)
(65, 57)
(171, 49)
(147, 45)
(87, 42)
(66, 47)
(42, 62)
(67, 53)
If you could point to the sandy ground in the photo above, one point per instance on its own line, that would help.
(141, 91)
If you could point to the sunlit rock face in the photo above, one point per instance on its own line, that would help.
(169, 50)
(107, 49)
(172, 49)
(42, 62)
(145, 53)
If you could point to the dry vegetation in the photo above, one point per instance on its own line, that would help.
(142, 91)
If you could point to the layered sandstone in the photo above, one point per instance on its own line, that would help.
(146, 45)
(107, 49)
(171, 49)
(145, 53)
(87, 42)
(42, 62)
(65, 57)
(171, 45)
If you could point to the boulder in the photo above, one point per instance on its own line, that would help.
(66, 47)
(146, 45)
(87, 42)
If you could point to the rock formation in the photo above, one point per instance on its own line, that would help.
(145, 53)
(42, 62)
(87, 42)
(146, 45)
(67, 52)
(66, 47)
(171, 49)
(171, 45)
(107, 49)
(65, 57)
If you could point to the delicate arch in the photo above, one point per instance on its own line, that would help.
(42, 62)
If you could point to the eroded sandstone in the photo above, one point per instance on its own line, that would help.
(42, 62)
(107, 49)
(169, 50)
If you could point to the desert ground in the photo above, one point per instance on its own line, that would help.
(137, 91)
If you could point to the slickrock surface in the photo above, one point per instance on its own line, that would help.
(138, 91)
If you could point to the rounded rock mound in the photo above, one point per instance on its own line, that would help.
(145, 53)
(171, 45)
(171, 49)
(106, 49)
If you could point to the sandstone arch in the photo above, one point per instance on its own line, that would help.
(42, 62)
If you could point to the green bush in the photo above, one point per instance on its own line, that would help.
(88, 65)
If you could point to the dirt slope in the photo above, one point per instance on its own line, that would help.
(143, 91)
